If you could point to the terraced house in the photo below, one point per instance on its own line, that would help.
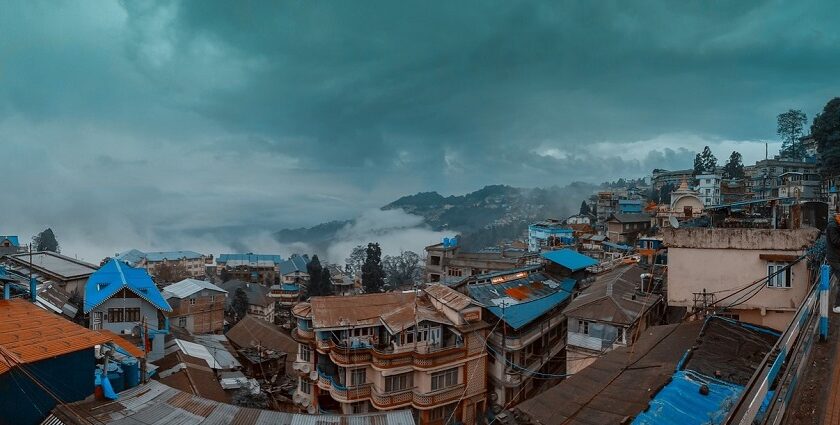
(420, 350)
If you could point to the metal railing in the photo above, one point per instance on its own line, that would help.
(768, 393)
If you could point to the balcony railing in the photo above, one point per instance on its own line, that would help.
(577, 339)
(425, 357)
(304, 335)
(391, 400)
(438, 398)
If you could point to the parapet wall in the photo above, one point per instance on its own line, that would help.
(729, 238)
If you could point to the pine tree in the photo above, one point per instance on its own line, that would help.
(826, 131)
(46, 241)
(373, 276)
(698, 165)
(584, 208)
(708, 160)
(789, 127)
(325, 287)
(239, 305)
(734, 168)
(315, 270)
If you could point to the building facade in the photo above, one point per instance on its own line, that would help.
(197, 306)
(625, 228)
(708, 188)
(450, 263)
(765, 180)
(68, 273)
(260, 303)
(548, 233)
(194, 263)
(397, 350)
(250, 267)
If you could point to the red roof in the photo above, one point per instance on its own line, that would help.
(30, 334)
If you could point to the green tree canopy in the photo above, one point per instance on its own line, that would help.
(239, 305)
(315, 270)
(789, 127)
(584, 208)
(734, 168)
(826, 131)
(46, 241)
(373, 276)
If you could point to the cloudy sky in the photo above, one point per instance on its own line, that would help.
(157, 125)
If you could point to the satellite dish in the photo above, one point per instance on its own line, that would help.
(674, 223)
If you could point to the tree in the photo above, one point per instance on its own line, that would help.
(698, 165)
(402, 270)
(326, 286)
(239, 305)
(708, 162)
(46, 241)
(224, 275)
(826, 131)
(734, 168)
(584, 208)
(373, 276)
(171, 271)
(315, 270)
(353, 263)
(789, 128)
(665, 193)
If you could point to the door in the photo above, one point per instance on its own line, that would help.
(96, 321)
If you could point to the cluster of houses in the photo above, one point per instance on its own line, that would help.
(530, 332)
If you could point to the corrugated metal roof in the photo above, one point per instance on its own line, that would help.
(225, 258)
(115, 276)
(358, 310)
(250, 332)
(449, 297)
(524, 300)
(157, 404)
(613, 298)
(172, 255)
(11, 238)
(31, 334)
(570, 259)
(257, 294)
(187, 287)
(295, 263)
(55, 264)
(198, 351)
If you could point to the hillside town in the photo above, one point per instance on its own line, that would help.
(688, 296)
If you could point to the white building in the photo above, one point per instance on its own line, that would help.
(708, 188)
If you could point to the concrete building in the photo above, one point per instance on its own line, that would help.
(630, 206)
(549, 233)
(581, 219)
(250, 267)
(606, 206)
(452, 264)
(610, 313)
(294, 270)
(801, 186)
(765, 175)
(686, 204)
(419, 350)
(530, 338)
(68, 273)
(660, 178)
(197, 306)
(625, 228)
(740, 257)
(342, 284)
(124, 300)
(708, 188)
(260, 304)
(9, 244)
(194, 263)
(734, 190)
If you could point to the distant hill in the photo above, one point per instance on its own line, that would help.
(485, 217)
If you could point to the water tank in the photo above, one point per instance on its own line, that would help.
(115, 377)
(131, 370)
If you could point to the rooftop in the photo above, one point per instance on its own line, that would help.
(61, 266)
(449, 297)
(358, 310)
(613, 298)
(740, 238)
(248, 258)
(251, 332)
(157, 404)
(257, 294)
(570, 259)
(188, 287)
(30, 333)
(11, 238)
(521, 301)
(295, 263)
(115, 276)
(630, 218)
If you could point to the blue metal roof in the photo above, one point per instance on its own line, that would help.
(13, 239)
(680, 402)
(289, 287)
(132, 256)
(172, 255)
(536, 293)
(570, 259)
(295, 263)
(224, 258)
(617, 246)
(116, 275)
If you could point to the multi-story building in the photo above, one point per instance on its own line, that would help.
(449, 262)
(125, 300)
(661, 178)
(708, 188)
(9, 244)
(526, 347)
(260, 304)
(733, 190)
(549, 233)
(342, 284)
(194, 263)
(802, 186)
(765, 175)
(250, 267)
(630, 206)
(606, 206)
(197, 306)
(294, 270)
(608, 314)
(686, 204)
(768, 259)
(625, 228)
(68, 273)
(422, 350)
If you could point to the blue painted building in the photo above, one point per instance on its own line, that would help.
(630, 206)
(549, 233)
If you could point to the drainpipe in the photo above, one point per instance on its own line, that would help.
(33, 289)
(7, 291)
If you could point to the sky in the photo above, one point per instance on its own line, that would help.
(207, 125)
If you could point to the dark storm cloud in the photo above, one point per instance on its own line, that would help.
(177, 118)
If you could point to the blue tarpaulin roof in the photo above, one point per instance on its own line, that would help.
(116, 275)
(618, 246)
(569, 259)
(680, 402)
(541, 294)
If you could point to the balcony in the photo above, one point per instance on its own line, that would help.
(303, 335)
(391, 400)
(302, 367)
(576, 339)
(341, 393)
(439, 397)
(381, 358)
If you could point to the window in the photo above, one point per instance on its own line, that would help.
(357, 377)
(115, 315)
(305, 353)
(454, 272)
(398, 382)
(435, 260)
(778, 275)
(192, 301)
(182, 322)
(444, 379)
(443, 413)
(212, 298)
(583, 326)
(305, 386)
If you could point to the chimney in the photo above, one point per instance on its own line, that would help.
(33, 289)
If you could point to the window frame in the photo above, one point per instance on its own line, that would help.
(354, 376)
(403, 381)
(781, 280)
(444, 379)
(305, 353)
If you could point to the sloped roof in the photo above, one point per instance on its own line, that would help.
(358, 310)
(31, 334)
(155, 403)
(54, 264)
(521, 301)
(257, 294)
(12, 239)
(250, 331)
(570, 259)
(612, 298)
(172, 255)
(132, 256)
(246, 258)
(188, 287)
(115, 276)
(295, 263)
(630, 218)
(407, 315)
(449, 297)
